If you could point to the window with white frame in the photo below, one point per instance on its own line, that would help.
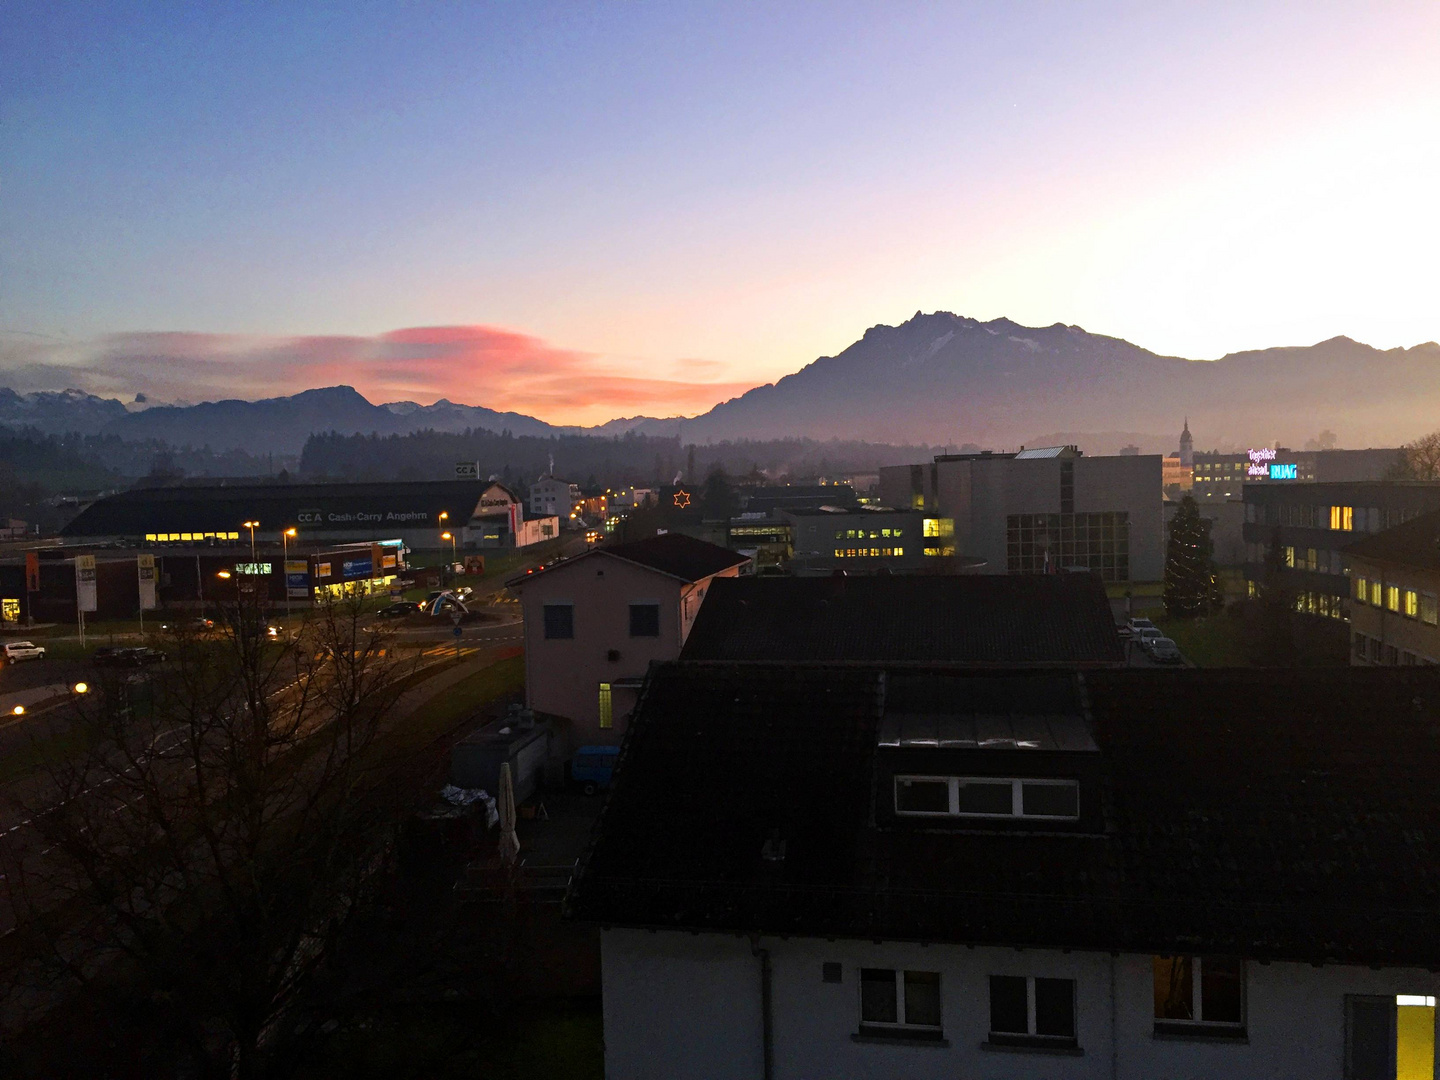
(901, 1003)
(987, 797)
(1200, 994)
(1027, 1010)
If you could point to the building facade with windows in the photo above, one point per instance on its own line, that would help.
(1117, 874)
(1312, 525)
(1044, 509)
(552, 497)
(1218, 476)
(861, 539)
(594, 624)
(1395, 595)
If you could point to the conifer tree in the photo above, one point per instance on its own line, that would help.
(1191, 585)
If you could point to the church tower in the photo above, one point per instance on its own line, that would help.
(1187, 446)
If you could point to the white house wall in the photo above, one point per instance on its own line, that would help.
(679, 1005)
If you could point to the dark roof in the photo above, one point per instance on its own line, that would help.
(1416, 544)
(1271, 814)
(971, 619)
(678, 555)
(673, 554)
(187, 509)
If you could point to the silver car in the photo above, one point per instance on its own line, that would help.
(1163, 650)
(15, 651)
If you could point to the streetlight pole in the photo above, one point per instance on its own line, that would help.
(252, 526)
(444, 535)
(451, 537)
(285, 535)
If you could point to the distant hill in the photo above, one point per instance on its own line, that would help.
(946, 378)
(937, 379)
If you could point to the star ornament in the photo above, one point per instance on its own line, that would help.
(682, 499)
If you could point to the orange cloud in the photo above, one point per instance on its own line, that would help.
(476, 365)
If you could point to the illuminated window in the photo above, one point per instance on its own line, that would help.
(185, 536)
(937, 527)
(897, 533)
(607, 713)
(839, 534)
(1198, 992)
(1342, 518)
(1376, 590)
(150, 537)
(1288, 554)
(1392, 597)
(1412, 604)
(1362, 589)
(10, 610)
(839, 553)
(899, 552)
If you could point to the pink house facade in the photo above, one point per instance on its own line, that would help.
(594, 623)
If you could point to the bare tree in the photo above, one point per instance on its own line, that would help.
(1419, 460)
(208, 846)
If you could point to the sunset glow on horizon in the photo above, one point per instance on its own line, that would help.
(582, 214)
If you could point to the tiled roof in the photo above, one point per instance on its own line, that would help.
(678, 555)
(1273, 814)
(974, 619)
(1415, 544)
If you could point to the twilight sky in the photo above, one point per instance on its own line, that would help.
(582, 211)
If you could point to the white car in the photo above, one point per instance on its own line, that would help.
(1135, 628)
(15, 651)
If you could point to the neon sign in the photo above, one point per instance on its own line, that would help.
(1258, 459)
(1283, 472)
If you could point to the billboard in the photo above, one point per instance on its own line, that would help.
(145, 571)
(297, 578)
(85, 582)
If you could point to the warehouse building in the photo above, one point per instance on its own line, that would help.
(477, 513)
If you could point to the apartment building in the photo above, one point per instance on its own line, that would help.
(836, 871)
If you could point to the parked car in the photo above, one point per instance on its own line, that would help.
(189, 626)
(398, 610)
(1133, 628)
(1163, 651)
(1146, 634)
(15, 651)
(593, 767)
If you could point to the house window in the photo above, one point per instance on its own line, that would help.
(1289, 555)
(1376, 589)
(607, 708)
(559, 621)
(1392, 597)
(900, 1002)
(1025, 1010)
(987, 796)
(1412, 604)
(1429, 609)
(644, 620)
(1199, 994)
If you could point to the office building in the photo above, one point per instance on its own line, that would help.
(1043, 510)
(862, 539)
(1312, 524)
(553, 497)
(1395, 594)
(1220, 476)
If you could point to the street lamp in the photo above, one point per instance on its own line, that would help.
(223, 574)
(252, 526)
(451, 537)
(285, 535)
(82, 688)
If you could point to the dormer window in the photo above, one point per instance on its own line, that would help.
(987, 797)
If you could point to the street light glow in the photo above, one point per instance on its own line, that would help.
(290, 532)
(445, 536)
(19, 710)
(82, 688)
(223, 574)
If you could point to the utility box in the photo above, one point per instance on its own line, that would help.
(475, 761)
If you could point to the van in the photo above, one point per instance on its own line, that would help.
(592, 767)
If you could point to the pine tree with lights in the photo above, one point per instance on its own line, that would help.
(1192, 587)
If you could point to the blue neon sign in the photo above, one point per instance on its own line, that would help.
(1283, 472)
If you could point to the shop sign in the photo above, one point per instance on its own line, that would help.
(297, 578)
(145, 570)
(85, 582)
(254, 569)
(354, 568)
(1284, 472)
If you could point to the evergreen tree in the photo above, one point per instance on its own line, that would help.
(1191, 585)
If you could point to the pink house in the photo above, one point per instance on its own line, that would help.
(595, 622)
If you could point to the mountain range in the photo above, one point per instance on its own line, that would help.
(938, 378)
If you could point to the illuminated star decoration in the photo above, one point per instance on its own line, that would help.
(682, 499)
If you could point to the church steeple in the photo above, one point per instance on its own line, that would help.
(1187, 446)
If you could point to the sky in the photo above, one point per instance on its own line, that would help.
(583, 211)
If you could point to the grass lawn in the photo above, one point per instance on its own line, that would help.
(1215, 641)
(471, 693)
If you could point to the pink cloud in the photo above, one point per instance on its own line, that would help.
(477, 365)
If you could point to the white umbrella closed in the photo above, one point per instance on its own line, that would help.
(509, 842)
